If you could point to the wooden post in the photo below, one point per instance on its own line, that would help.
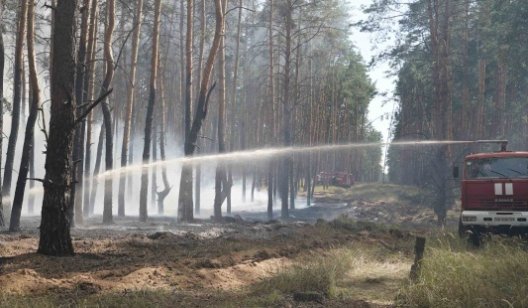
(419, 248)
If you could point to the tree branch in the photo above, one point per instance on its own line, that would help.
(238, 7)
(91, 107)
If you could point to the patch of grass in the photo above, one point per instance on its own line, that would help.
(133, 299)
(20, 301)
(353, 226)
(314, 273)
(454, 276)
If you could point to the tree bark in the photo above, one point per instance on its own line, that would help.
(55, 236)
(143, 213)
(2, 67)
(17, 84)
(14, 224)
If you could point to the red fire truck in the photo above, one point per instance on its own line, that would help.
(494, 191)
(341, 179)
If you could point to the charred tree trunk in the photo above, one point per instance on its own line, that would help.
(129, 105)
(150, 113)
(17, 85)
(14, 224)
(55, 236)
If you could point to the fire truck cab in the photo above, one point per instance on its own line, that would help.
(494, 192)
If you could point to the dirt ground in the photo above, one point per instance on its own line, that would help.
(165, 264)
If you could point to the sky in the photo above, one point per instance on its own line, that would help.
(382, 107)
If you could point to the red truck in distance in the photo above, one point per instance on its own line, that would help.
(494, 192)
(341, 179)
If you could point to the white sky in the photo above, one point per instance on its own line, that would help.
(381, 108)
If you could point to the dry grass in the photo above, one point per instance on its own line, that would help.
(454, 275)
(376, 192)
(313, 273)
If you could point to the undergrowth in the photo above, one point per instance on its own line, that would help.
(314, 273)
(455, 275)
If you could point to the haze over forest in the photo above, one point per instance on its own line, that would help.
(102, 100)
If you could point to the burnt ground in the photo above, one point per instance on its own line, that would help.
(165, 264)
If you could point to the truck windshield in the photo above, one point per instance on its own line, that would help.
(512, 167)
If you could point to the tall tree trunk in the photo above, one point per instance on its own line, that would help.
(89, 90)
(97, 168)
(17, 84)
(203, 29)
(185, 202)
(14, 224)
(182, 63)
(154, 168)
(55, 236)
(130, 103)
(78, 144)
(2, 64)
(234, 107)
(188, 68)
(143, 214)
(286, 116)
(185, 194)
(162, 139)
(442, 106)
(271, 108)
(109, 76)
(221, 182)
(500, 103)
(481, 102)
(31, 197)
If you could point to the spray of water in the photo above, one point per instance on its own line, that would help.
(236, 158)
(264, 154)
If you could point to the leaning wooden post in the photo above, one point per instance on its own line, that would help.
(419, 248)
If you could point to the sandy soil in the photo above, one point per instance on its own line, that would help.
(208, 264)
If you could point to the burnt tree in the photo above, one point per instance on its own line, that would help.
(55, 236)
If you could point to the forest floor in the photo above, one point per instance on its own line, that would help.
(353, 248)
